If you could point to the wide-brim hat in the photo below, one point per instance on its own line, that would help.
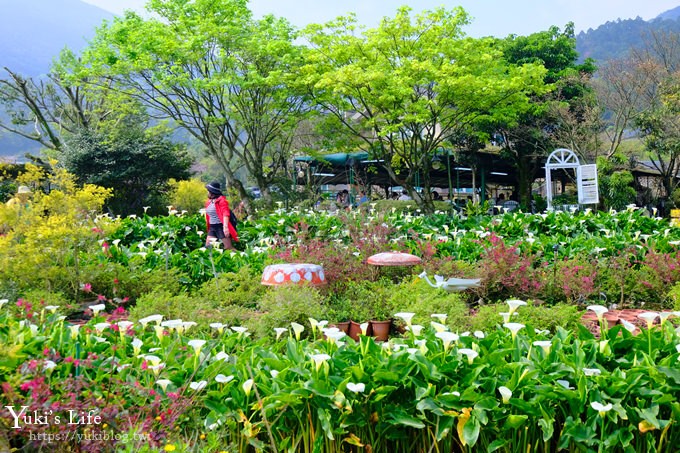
(24, 189)
(214, 188)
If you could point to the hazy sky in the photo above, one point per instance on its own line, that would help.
(490, 17)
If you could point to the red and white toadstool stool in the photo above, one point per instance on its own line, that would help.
(293, 273)
(393, 259)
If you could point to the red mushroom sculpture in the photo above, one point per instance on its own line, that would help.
(293, 273)
(393, 259)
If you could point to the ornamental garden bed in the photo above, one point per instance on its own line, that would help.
(190, 352)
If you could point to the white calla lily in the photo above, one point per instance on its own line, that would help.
(297, 329)
(602, 409)
(599, 311)
(356, 388)
(319, 360)
(545, 345)
(438, 327)
(514, 304)
(406, 316)
(222, 379)
(137, 345)
(247, 386)
(447, 338)
(74, 330)
(198, 386)
(506, 394)
(239, 329)
(364, 328)
(471, 354)
(218, 326)
(197, 345)
(649, 317)
(415, 328)
(441, 317)
(164, 383)
(513, 327)
(96, 308)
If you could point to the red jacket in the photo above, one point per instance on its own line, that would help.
(223, 211)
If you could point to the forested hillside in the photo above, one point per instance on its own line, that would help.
(614, 39)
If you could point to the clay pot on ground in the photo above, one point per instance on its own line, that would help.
(610, 319)
(381, 329)
(343, 326)
(355, 330)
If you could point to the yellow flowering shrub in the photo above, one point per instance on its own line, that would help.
(188, 195)
(45, 240)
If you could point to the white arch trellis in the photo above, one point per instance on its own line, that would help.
(563, 158)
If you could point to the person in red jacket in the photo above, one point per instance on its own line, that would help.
(217, 218)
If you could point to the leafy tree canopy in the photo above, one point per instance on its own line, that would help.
(216, 72)
(404, 88)
(135, 163)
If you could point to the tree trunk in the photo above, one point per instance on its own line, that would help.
(524, 181)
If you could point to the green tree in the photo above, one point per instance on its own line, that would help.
(615, 184)
(403, 89)
(214, 71)
(540, 129)
(136, 162)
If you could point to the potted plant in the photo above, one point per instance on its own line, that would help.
(381, 319)
(340, 311)
(380, 329)
(367, 302)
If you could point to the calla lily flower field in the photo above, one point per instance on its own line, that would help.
(132, 336)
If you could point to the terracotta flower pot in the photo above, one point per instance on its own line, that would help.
(611, 319)
(381, 329)
(355, 330)
(343, 326)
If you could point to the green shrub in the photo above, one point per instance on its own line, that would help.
(136, 281)
(173, 306)
(236, 315)
(674, 296)
(542, 317)
(369, 300)
(281, 306)
(420, 298)
(242, 288)
(340, 308)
